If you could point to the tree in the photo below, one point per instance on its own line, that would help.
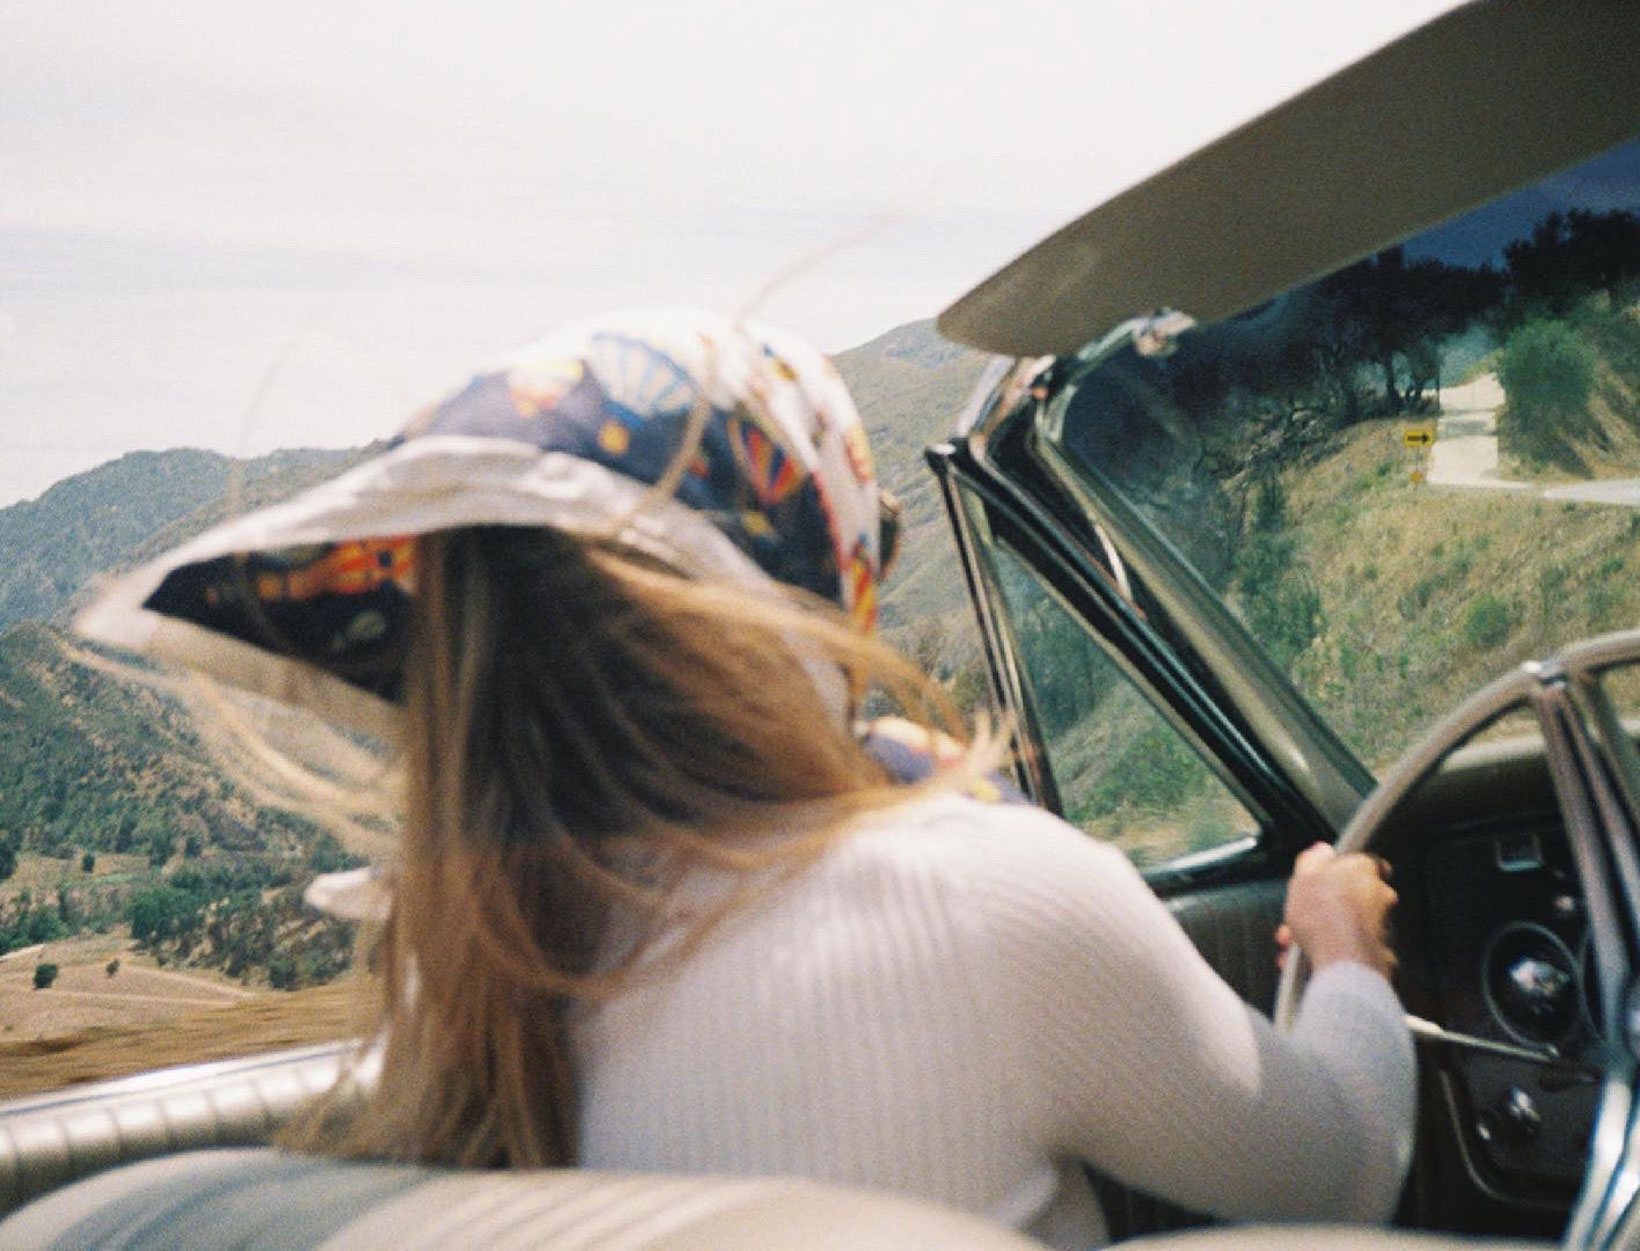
(163, 913)
(88, 862)
(1569, 255)
(8, 858)
(44, 976)
(69, 910)
(112, 967)
(1392, 314)
(283, 973)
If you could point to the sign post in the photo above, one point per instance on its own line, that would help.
(1418, 440)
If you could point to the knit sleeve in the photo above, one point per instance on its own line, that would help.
(1147, 1065)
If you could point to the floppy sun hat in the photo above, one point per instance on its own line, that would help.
(724, 448)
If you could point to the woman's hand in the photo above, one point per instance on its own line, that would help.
(1338, 909)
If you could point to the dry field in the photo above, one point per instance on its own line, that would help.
(43, 874)
(90, 1025)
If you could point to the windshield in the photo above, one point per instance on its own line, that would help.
(1414, 472)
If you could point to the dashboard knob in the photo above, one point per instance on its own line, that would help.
(1538, 986)
(1519, 1116)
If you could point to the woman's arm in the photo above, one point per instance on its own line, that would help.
(1146, 1064)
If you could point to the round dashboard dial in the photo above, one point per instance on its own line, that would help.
(1532, 984)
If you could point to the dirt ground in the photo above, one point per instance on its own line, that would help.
(91, 1025)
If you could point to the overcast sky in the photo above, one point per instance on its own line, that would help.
(253, 225)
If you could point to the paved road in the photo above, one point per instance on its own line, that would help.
(1465, 453)
(1606, 491)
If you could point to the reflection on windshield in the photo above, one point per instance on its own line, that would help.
(1413, 472)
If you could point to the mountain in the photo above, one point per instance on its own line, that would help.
(910, 385)
(98, 521)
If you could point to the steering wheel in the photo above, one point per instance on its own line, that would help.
(1595, 770)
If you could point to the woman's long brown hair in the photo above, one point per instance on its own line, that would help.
(584, 729)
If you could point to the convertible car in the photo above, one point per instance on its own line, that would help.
(1280, 456)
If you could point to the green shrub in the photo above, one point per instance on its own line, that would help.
(1278, 601)
(44, 976)
(1487, 621)
(1547, 372)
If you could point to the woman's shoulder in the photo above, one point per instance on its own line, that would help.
(1016, 888)
(975, 841)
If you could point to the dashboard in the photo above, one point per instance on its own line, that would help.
(1502, 956)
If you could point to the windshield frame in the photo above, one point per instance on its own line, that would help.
(1265, 742)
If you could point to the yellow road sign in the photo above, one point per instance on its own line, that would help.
(1418, 436)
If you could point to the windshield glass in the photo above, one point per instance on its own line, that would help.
(1412, 473)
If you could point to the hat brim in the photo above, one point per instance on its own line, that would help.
(423, 485)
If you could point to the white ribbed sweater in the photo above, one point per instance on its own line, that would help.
(959, 1001)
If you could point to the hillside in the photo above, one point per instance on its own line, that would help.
(120, 828)
(114, 814)
(1368, 604)
(140, 1030)
(98, 520)
(1425, 594)
(1419, 595)
(910, 386)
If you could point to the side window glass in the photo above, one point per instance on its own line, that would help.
(1124, 774)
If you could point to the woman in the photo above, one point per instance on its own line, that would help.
(659, 907)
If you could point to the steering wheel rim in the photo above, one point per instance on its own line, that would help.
(1595, 772)
(1361, 832)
